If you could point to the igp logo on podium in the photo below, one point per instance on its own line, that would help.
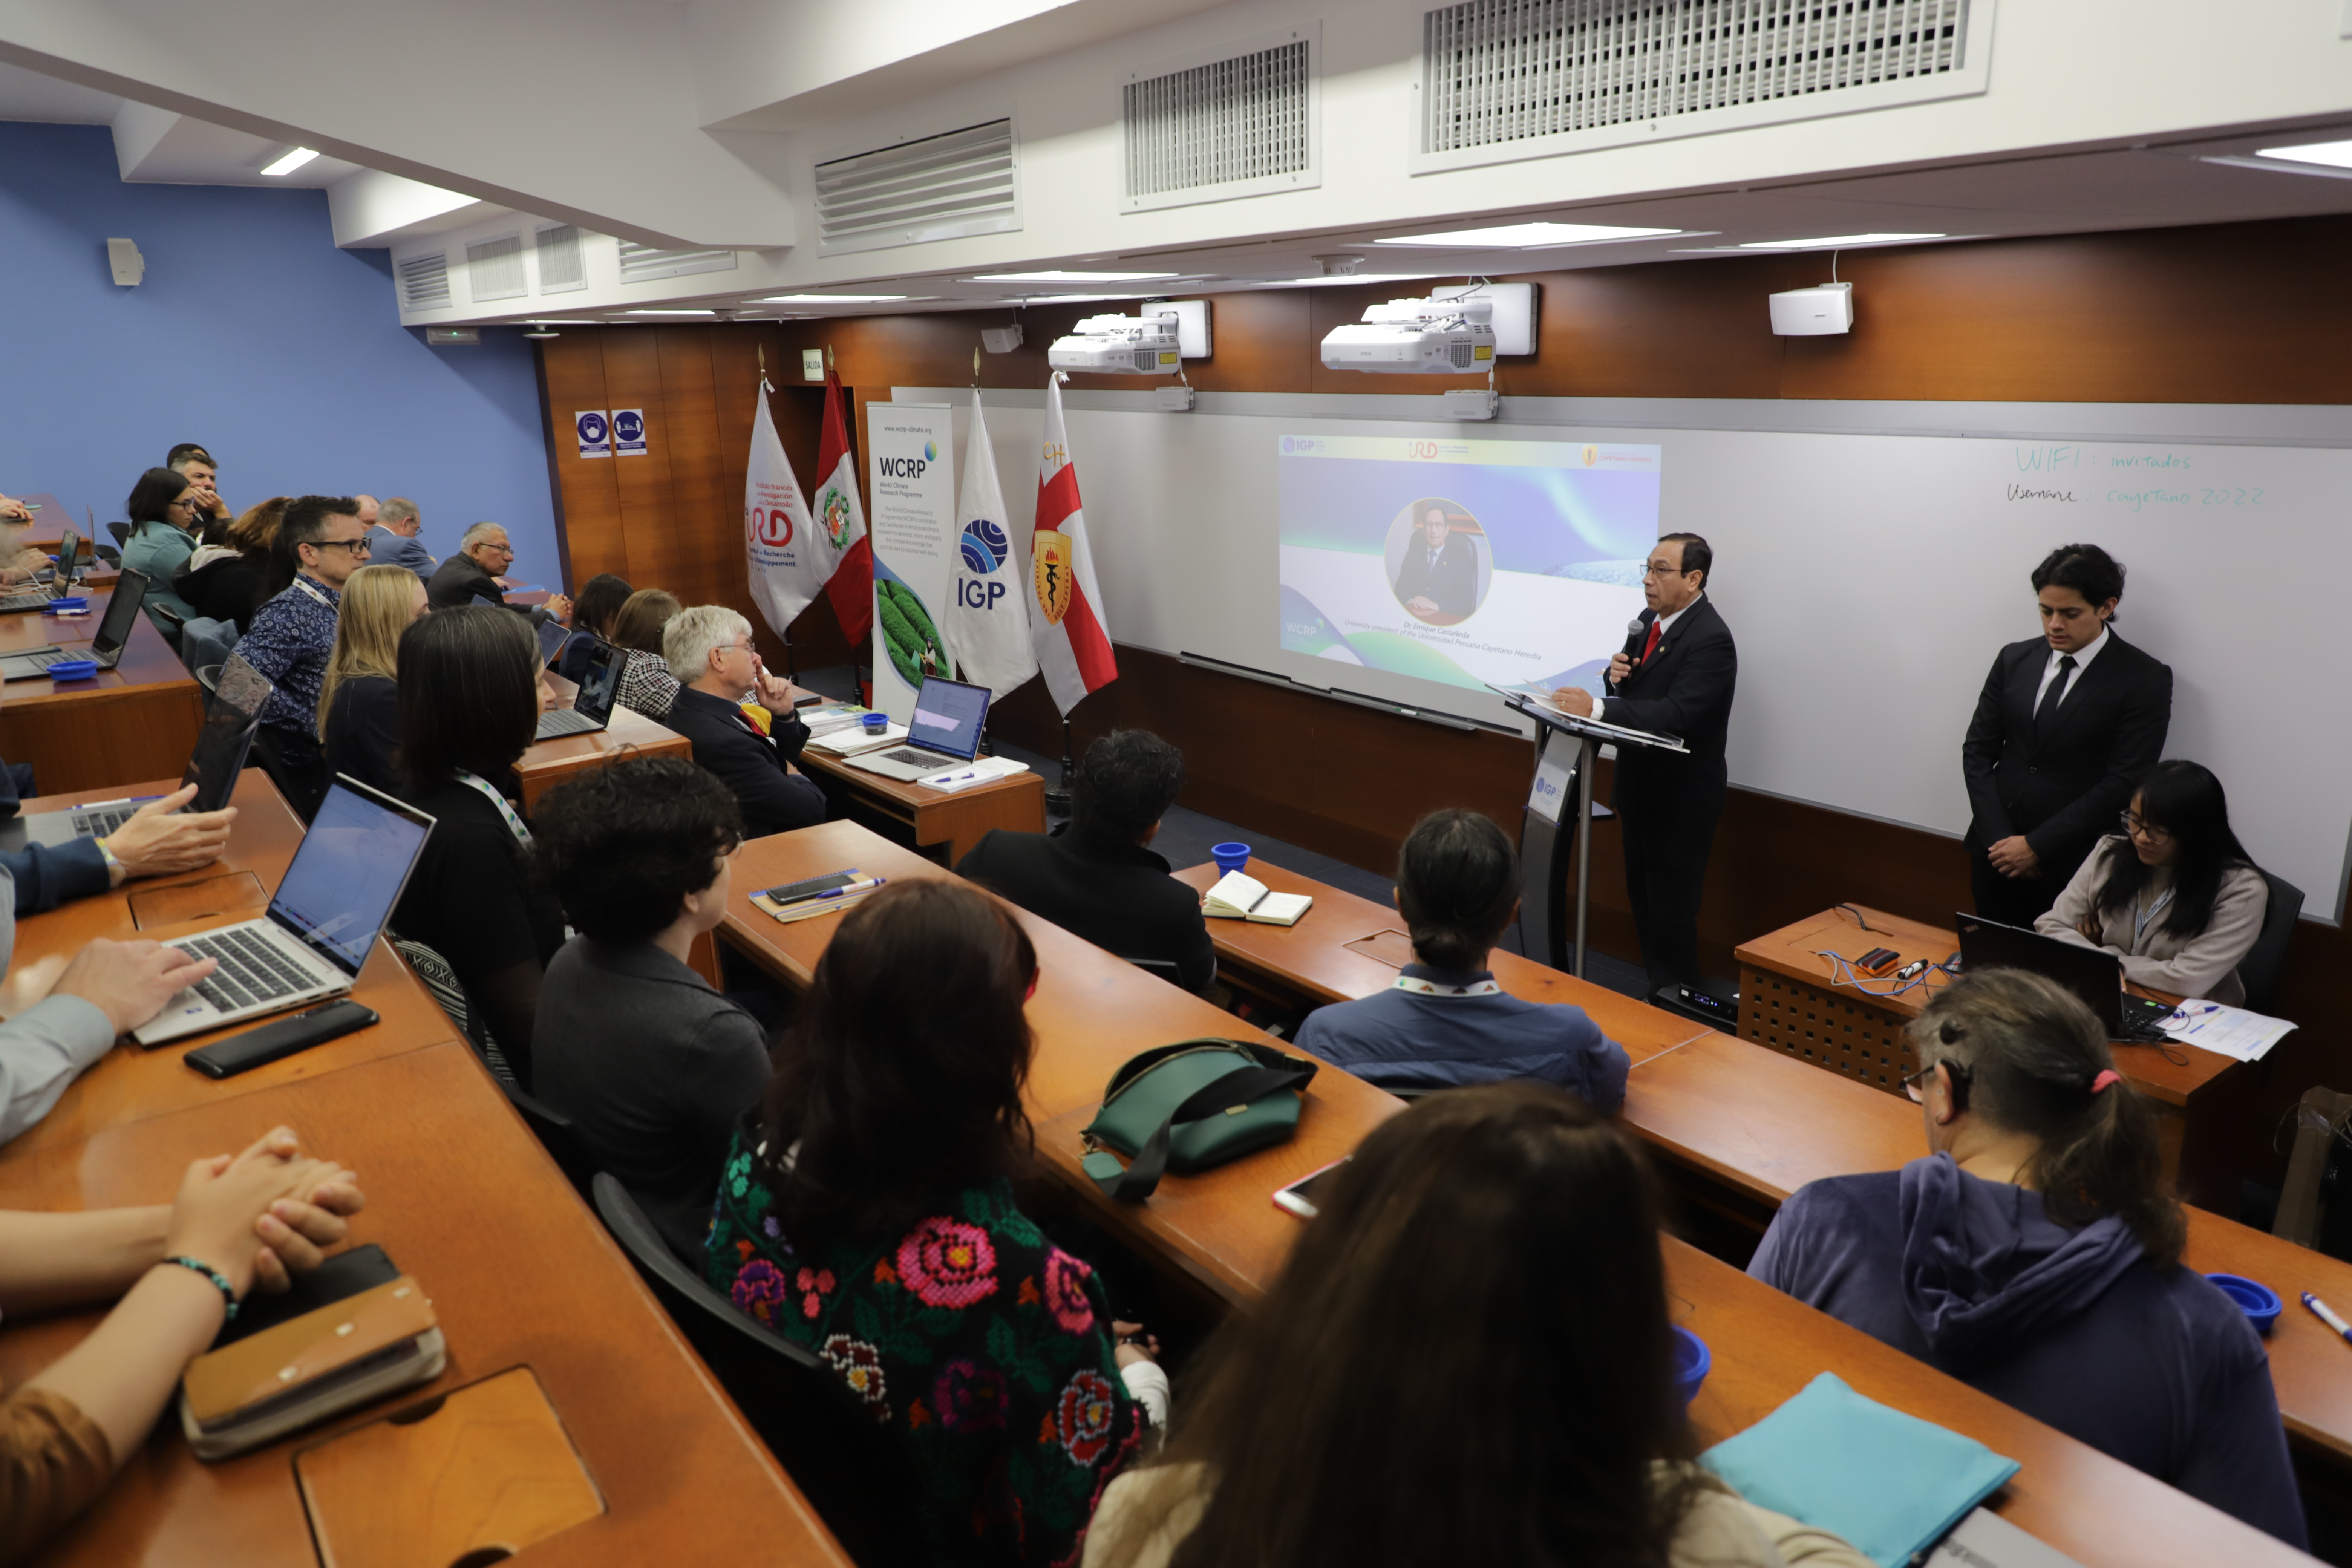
(595, 433)
(628, 432)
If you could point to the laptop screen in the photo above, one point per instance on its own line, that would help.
(349, 872)
(237, 696)
(948, 717)
(114, 628)
(68, 548)
(552, 636)
(600, 683)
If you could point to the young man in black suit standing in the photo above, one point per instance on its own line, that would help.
(1674, 676)
(2067, 725)
(1438, 579)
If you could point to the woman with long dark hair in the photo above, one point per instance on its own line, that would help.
(226, 576)
(1466, 1359)
(2035, 1253)
(469, 697)
(2174, 895)
(164, 522)
(868, 1212)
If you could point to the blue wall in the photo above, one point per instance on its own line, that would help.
(253, 335)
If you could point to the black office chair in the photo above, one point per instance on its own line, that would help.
(122, 531)
(561, 1136)
(108, 553)
(851, 1469)
(1165, 968)
(304, 788)
(208, 676)
(2259, 970)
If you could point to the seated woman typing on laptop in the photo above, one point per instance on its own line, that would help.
(237, 1224)
(2035, 1253)
(2174, 894)
(592, 614)
(469, 702)
(359, 697)
(1469, 1358)
(646, 685)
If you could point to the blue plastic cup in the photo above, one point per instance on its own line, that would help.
(72, 670)
(2257, 1300)
(1692, 1360)
(1229, 857)
(876, 722)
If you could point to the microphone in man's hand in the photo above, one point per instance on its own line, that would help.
(1633, 631)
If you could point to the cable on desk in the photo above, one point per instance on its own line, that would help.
(1857, 913)
(1843, 973)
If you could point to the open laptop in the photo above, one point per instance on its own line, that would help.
(2094, 975)
(944, 731)
(60, 579)
(106, 648)
(343, 884)
(591, 709)
(213, 767)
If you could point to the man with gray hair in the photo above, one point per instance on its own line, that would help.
(393, 541)
(474, 573)
(195, 465)
(710, 649)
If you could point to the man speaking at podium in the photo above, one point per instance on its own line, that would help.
(1674, 676)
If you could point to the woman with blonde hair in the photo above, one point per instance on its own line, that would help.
(646, 685)
(223, 577)
(359, 700)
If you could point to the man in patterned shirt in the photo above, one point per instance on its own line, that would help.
(293, 635)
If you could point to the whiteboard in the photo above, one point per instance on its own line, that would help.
(1869, 576)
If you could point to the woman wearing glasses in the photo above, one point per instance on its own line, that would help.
(2035, 1254)
(2173, 895)
(163, 521)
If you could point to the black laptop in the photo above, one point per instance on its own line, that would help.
(106, 648)
(591, 709)
(2090, 972)
(60, 579)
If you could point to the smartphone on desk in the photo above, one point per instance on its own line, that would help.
(791, 892)
(1299, 1197)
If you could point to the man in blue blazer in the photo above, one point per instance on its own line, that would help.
(393, 537)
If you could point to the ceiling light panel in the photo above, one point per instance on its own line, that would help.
(1058, 277)
(1830, 241)
(1530, 236)
(294, 159)
(2335, 155)
(829, 298)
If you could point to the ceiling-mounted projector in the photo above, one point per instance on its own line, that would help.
(1417, 337)
(1120, 345)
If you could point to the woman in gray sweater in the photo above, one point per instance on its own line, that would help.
(2174, 895)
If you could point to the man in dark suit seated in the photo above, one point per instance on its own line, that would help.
(1439, 578)
(709, 648)
(1096, 877)
(2067, 725)
(483, 555)
(652, 1065)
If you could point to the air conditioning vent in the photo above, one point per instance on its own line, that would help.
(1241, 123)
(562, 267)
(494, 269)
(425, 281)
(643, 263)
(941, 187)
(1522, 78)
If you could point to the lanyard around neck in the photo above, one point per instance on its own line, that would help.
(312, 589)
(489, 792)
(2140, 918)
(1421, 987)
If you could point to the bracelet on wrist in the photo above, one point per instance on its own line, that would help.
(228, 1290)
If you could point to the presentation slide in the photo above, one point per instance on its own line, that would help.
(1465, 562)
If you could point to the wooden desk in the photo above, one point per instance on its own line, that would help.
(944, 825)
(520, 1274)
(24, 630)
(546, 763)
(131, 1083)
(1346, 948)
(137, 720)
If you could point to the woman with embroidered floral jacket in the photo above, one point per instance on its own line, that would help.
(869, 1215)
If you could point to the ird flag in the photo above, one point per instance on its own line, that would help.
(988, 617)
(1072, 642)
(793, 555)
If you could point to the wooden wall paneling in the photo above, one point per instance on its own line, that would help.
(1666, 329)
(706, 475)
(1258, 342)
(573, 374)
(633, 379)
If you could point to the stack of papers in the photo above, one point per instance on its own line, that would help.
(969, 776)
(1239, 898)
(830, 718)
(2232, 1031)
(848, 742)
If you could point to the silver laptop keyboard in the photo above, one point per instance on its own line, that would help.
(23, 602)
(563, 721)
(103, 820)
(250, 971)
(915, 759)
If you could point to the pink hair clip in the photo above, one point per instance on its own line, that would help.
(2109, 1077)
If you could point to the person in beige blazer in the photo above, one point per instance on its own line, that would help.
(2174, 895)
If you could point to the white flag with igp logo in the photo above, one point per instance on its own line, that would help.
(987, 615)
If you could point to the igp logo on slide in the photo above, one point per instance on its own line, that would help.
(984, 545)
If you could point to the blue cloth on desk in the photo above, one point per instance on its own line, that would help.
(1890, 1483)
(2077, 1327)
(1402, 1039)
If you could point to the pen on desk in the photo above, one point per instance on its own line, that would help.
(854, 888)
(2327, 1314)
(2196, 1012)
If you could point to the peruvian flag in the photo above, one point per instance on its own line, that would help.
(843, 556)
(1072, 641)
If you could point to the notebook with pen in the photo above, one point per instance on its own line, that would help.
(1237, 897)
(816, 896)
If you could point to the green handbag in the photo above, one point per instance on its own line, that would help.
(1190, 1107)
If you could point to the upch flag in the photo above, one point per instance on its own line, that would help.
(1072, 642)
(988, 617)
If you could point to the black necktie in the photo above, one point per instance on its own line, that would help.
(2050, 699)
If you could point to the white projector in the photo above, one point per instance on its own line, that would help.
(1120, 345)
(1416, 337)
(1814, 313)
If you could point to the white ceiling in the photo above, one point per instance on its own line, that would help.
(28, 95)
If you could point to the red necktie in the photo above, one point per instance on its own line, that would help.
(1650, 647)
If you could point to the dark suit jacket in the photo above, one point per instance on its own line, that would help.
(749, 762)
(2065, 789)
(1451, 584)
(456, 581)
(363, 736)
(1119, 897)
(1684, 689)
